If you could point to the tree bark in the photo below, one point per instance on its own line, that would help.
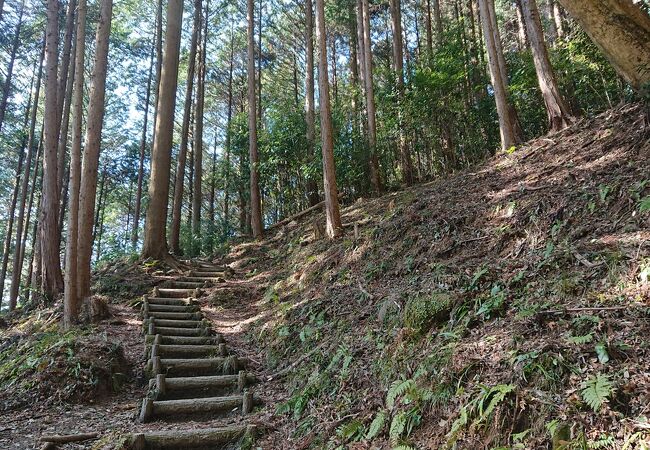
(621, 29)
(507, 127)
(159, 54)
(71, 300)
(198, 144)
(6, 89)
(19, 243)
(143, 147)
(557, 110)
(52, 279)
(398, 61)
(155, 245)
(310, 115)
(375, 179)
(174, 234)
(256, 206)
(333, 226)
(522, 35)
(92, 145)
(226, 189)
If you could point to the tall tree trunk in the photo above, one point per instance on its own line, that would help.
(507, 127)
(143, 147)
(522, 35)
(333, 226)
(155, 244)
(375, 179)
(198, 143)
(226, 189)
(428, 25)
(92, 145)
(6, 89)
(52, 279)
(174, 234)
(557, 110)
(437, 17)
(6, 249)
(310, 116)
(558, 19)
(259, 66)
(621, 29)
(551, 33)
(398, 61)
(159, 57)
(63, 100)
(256, 204)
(19, 243)
(71, 300)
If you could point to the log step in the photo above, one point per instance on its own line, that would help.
(172, 331)
(176, 367)
(201, 438)
(202, 279)
(207, 274)
(157, 408)
(169, 301)
(186, 340)
(177, 293)
(188, 351)
(176, 315)
(180, 323)
(165, 388)
(182, 284)
(173, 308)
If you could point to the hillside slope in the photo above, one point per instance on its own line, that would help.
(503, 307)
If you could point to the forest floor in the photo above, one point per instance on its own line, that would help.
(506, 306)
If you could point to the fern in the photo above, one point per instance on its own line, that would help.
(352, 429)
(404, 447)
(376, 425)
(397, 389)
(579, 340)
(397, 426)
(596, 390)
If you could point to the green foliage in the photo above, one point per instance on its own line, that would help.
(479, 409)
(596, 390)
(423, 312)
(376, 426)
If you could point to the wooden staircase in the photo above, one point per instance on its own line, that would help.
(192, 373)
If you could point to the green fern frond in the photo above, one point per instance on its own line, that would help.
(580, 340)
(376, 425)
(596, 390)
(397, 389)
(404, 447)
(397, 426)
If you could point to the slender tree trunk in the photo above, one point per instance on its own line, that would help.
(6, 89)
(71, 301)
(398, 62)
(375, 179)
(310, 116)
(522, 35)
(557, 110)
(92, 145)
(174, 234)
(428, 27)
(333, 225)
(52, 280)
(143, 147)
(509, 135)
(551, 33)
(99, 216)
(437, 17)
(256, 204)
(159, 55)
(63, 100)
(12, 213)
(621, 29)
(155, 245)
(259, 66)
(558, 19)
(226, 189)
(198, 145)
(19, 243)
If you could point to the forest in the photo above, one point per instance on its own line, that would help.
(329, 224)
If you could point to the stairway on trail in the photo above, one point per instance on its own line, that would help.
(192, 373)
